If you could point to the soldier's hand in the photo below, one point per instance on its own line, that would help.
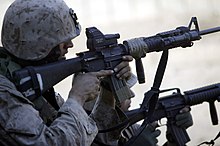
(123, 70)
(184, 118)
(149, 136)
(86, 86)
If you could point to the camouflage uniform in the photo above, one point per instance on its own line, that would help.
(106, 114)
(20, 123)
(31, 28)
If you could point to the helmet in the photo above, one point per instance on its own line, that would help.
(32, 28)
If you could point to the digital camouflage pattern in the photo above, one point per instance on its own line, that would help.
(20, 123)
(31, 28)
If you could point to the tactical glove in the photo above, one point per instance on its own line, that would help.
(183, 120)
(148, 137)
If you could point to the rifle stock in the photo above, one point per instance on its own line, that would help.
(47, 75)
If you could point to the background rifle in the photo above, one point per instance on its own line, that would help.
(169, 106)
(105, 53)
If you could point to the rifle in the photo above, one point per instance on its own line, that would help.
(169, 106)
(105, 53)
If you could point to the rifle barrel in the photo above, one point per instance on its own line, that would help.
(211, 30)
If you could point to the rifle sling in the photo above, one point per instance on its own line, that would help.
(149, 102)
(151, 97)
(212, 142)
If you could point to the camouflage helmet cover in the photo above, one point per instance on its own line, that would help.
(31, 28)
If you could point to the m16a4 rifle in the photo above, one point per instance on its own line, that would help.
(105, 53)
(169, 106)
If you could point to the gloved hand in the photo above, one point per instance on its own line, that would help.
(149, 136)
(123, 71)
(183, 120)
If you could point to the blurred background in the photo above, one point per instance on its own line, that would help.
(187, 68)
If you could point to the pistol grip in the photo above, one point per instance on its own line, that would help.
(179, 134)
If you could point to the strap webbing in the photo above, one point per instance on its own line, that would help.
(151, 97)
(212, 142)
(149, 102)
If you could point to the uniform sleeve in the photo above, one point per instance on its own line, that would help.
(23, 125)
(72, 127)
(106, 116)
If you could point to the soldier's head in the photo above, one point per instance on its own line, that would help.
(34, 29)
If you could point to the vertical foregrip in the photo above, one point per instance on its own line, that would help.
(140, 71)
(213, 113)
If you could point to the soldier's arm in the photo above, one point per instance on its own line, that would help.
(21, 124)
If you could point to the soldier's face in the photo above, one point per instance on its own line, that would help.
(125, 105)
(64, 48)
